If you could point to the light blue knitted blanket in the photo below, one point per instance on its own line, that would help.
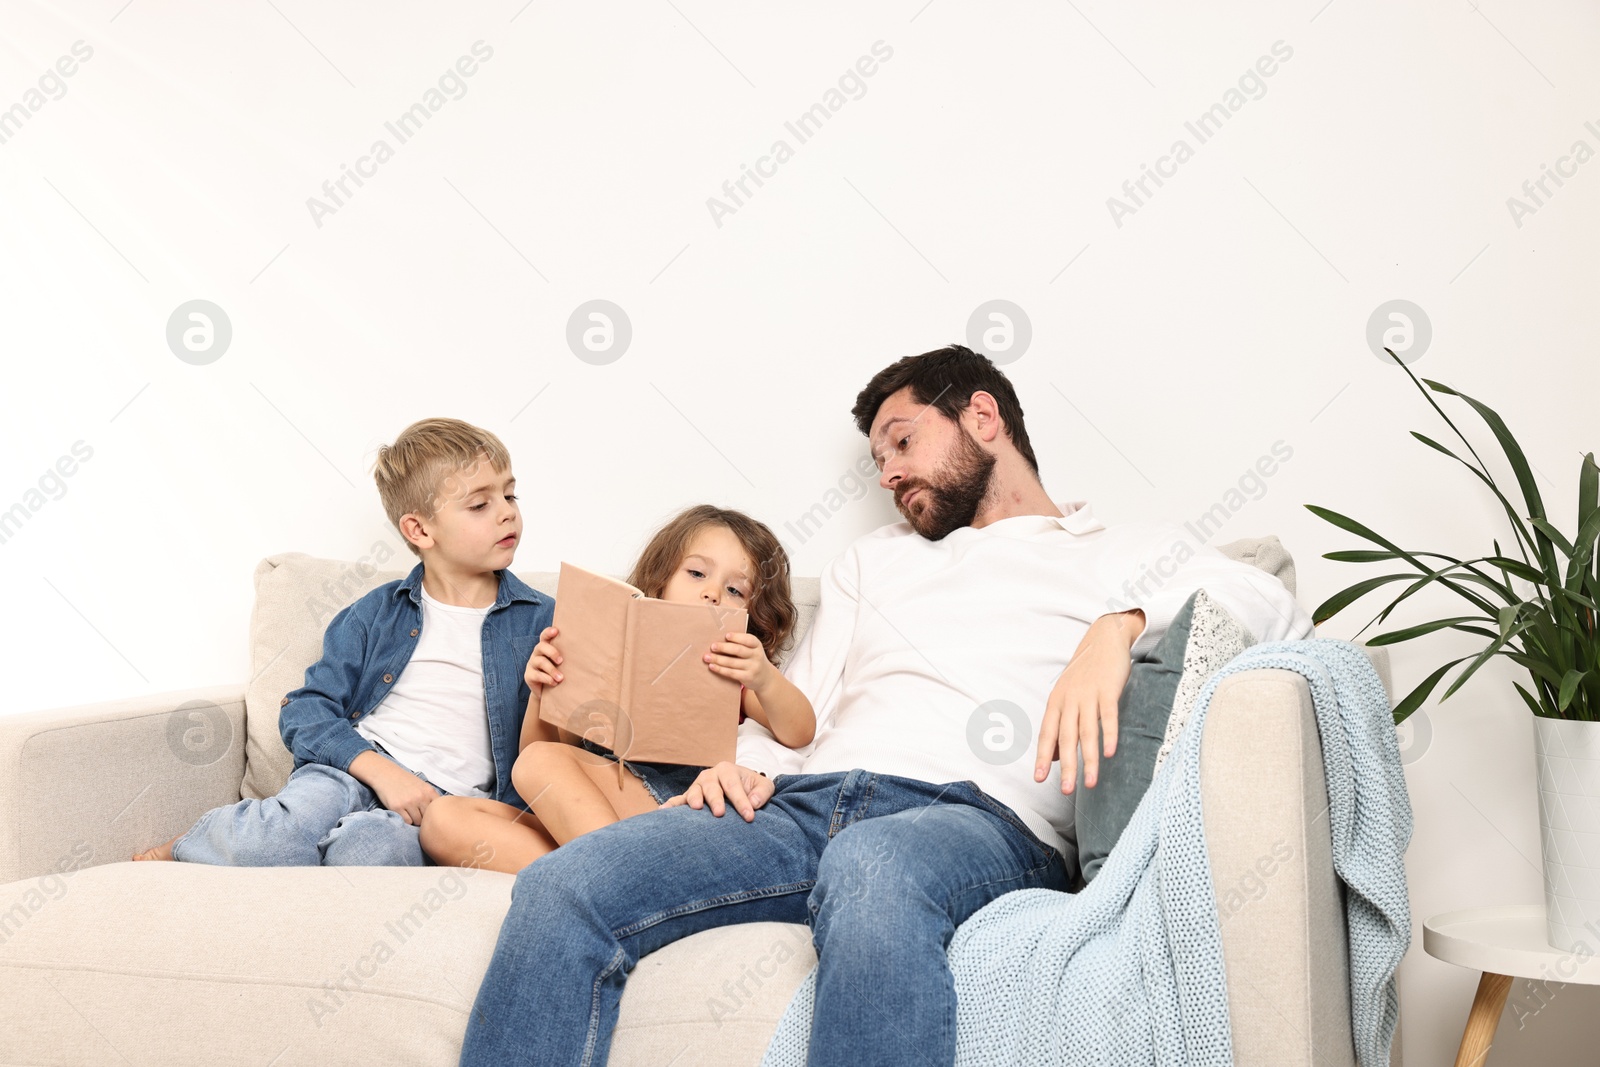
(1130, 971)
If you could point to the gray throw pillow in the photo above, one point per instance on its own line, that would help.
(1155, 705)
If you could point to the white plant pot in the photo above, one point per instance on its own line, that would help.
(1567, 754)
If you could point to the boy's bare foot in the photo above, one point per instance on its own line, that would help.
(159, 852)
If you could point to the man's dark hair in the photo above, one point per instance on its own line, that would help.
(945, 379)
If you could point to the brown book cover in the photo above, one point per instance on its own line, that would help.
(632, 677)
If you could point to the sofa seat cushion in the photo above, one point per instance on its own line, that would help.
(177, 963)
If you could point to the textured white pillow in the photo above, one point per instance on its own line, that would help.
(1215, 637)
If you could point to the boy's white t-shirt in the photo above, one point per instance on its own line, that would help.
(435, 720)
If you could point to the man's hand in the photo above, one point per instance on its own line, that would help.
(745, 789)
(1083, 703)
(397, 788)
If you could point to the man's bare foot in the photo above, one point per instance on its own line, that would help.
(159, 852)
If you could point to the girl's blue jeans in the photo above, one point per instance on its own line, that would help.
(882, 868)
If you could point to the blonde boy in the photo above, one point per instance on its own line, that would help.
(420, 689)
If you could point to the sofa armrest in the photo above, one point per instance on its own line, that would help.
(1284, 940)
(93, 784)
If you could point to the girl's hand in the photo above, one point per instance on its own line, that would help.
(741, 657)
(541, 670)
(744, 788)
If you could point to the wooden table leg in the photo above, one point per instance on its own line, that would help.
(1483, 1020)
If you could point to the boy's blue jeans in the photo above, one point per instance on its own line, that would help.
(321, 817)
(882, 868)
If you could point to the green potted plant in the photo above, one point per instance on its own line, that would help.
(1537, 608)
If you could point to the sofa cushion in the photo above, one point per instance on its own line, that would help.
(1266, 554)
(1151, 712)
(1215, 639)
(180, 963)
(296, 597)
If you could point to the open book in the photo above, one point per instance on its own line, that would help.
(632, 676)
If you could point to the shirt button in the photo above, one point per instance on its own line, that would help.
(282, 702)
(388, 678)
(354, 715)
(413, 633)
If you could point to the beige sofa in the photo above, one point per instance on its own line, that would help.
(103, 961)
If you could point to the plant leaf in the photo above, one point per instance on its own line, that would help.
(1515, 567)
(1345, 597)
(1414, 699)
(1536, 666)
(1423, 582)
(1474, 575)
(1556, 537)
(1507, 616)
(1583, 544)
(1508, 443)
(1588, 488)
(1518, 461)
(1482, 658)
(1523, 536)
(1562, 593)
(1360, 555)
(1394, 637)
(1569, 685)
(1346, 523)
(1533, 705)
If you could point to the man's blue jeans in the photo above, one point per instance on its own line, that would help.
(321, 817)
(882, 868)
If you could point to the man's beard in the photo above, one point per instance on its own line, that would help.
(951, 498)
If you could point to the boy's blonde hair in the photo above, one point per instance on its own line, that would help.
(422, 470)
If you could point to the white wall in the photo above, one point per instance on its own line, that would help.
(1168, 352)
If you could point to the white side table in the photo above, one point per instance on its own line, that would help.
(1504, 943)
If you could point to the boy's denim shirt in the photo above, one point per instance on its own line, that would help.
(369, 643)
